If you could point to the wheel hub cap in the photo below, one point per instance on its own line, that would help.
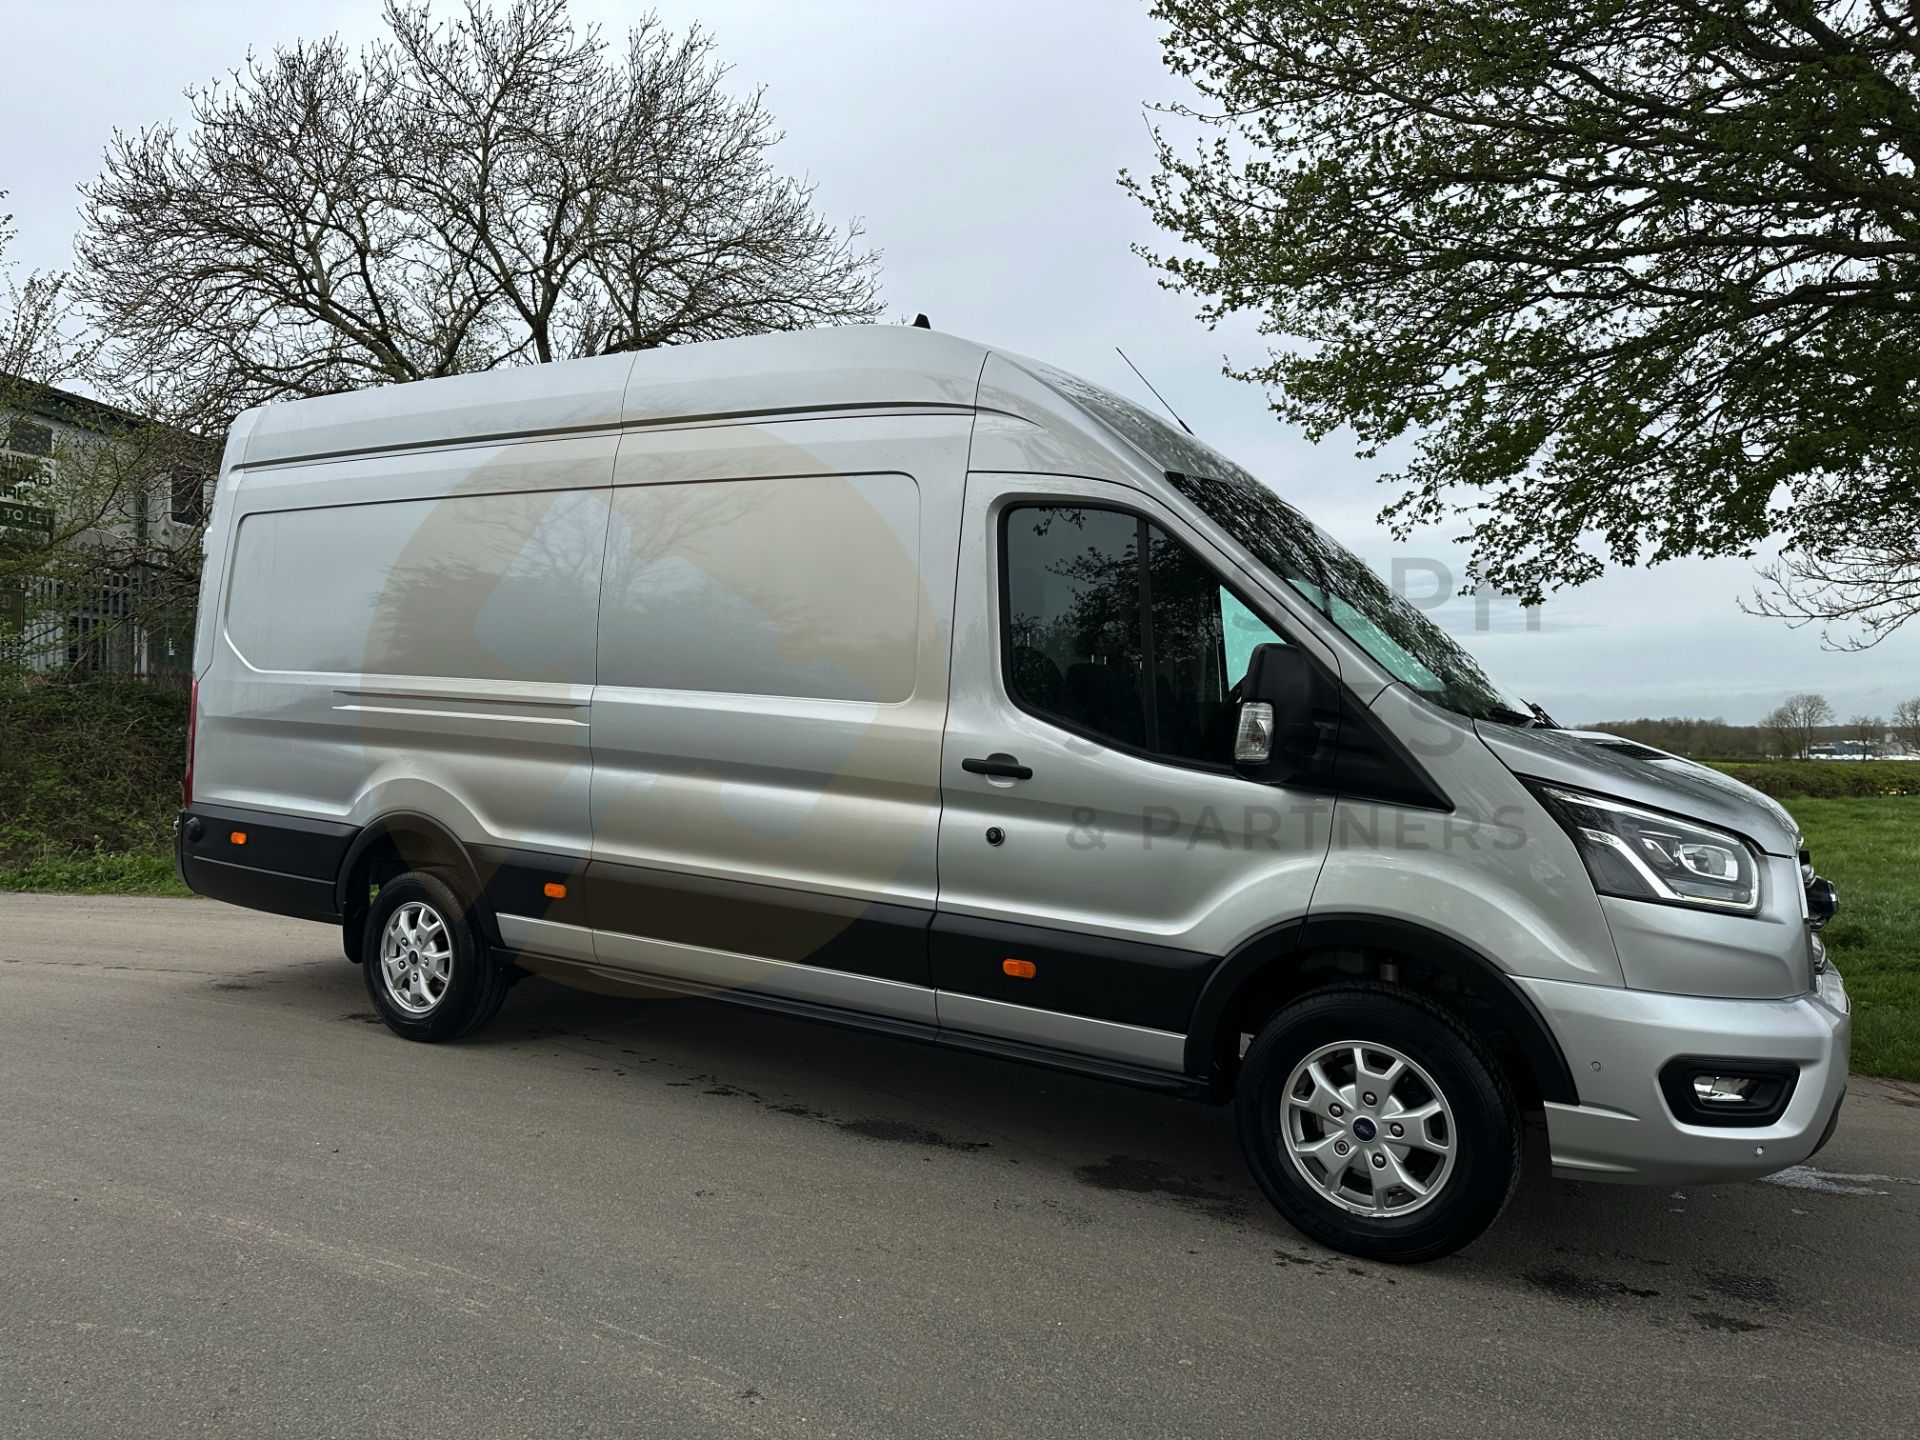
(416, 957)
(1368, 1128)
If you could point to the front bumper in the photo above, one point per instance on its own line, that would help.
(1616, 1042)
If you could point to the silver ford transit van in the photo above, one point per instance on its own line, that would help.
(877, 677)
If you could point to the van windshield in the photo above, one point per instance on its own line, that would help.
(1338, 584)
(1404, 642)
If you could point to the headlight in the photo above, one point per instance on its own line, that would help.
(1645, 855)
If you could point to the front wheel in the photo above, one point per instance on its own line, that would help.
(1377, 1124)
(427, 967)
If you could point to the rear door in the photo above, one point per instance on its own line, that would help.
(1097, 853)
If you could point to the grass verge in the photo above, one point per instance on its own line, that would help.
(1870, 849)
(104, 872)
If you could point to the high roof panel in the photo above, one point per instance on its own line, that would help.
(835, 368)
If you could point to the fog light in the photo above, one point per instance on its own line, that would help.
(1722, 1089)
(1709, 1090)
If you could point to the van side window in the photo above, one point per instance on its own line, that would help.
(1073, 614)
(1145, 655)
(799, 586)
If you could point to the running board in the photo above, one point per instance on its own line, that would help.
(637, 983)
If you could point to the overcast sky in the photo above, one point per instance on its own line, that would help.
(979, 144)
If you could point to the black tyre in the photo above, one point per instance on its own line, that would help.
(1377, 1124)
(428, 969)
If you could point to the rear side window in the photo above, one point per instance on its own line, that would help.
(1115, 629)
(488, 587)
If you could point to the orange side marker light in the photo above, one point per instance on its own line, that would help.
(238, 837)
(556, 892)
(1018, 969)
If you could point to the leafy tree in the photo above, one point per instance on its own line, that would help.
(496, 189)
(1795, 724)
(1636, 278)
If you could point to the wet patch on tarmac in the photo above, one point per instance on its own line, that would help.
(1130, 1175)
(883, 1130)
(1834, 1182)
(901, 1132)
(886, 1131)
(1746, 1288)
(1731, 1324)
(1579, 1289)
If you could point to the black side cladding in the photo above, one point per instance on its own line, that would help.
(1077, 974)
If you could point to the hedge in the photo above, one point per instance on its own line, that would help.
(88, 767)
(1829, 779)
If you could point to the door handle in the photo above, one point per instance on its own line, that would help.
(1000, 765)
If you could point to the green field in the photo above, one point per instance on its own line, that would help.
(90, 777)
(1870, 849)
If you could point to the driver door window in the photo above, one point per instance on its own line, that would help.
(1116, 630)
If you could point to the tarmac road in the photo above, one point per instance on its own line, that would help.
(232, 1204)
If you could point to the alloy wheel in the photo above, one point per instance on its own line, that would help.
(1368, 1128)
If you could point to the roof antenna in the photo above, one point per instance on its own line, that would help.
(1156, 394)
(920, 323)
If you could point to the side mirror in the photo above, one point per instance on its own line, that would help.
(1287, 711)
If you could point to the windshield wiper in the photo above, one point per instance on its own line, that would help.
(1507, 715)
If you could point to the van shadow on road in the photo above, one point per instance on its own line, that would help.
(1734, 1259)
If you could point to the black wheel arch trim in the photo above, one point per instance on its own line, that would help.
(397, 823)
(1515, 1009)
(1271, 946)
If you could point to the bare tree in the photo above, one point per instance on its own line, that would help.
(43, 342)
(1906, 723)
(497, 189)
(1795, 722)
(1867, 732)
(35, 345)
(106, 524)
(100, 507)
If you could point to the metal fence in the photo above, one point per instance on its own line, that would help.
(130, 624)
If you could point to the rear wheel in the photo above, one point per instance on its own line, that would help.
(1378, 1124)
(427, 967)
